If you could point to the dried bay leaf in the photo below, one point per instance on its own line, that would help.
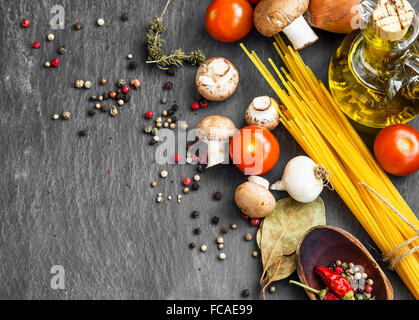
(280, 233)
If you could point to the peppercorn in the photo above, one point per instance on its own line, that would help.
(136, 84)
(170, 113)
(222, 256)
(171, 71)
(185, 190)
(192, 245)
(195, 214)
(78, 26)
(220, 240)
(66, 115)
(272, 289)
(130, 56)
(126, 98)
(133, 65)
(121, 102)
(215, 220)
(197, 231)
(114, 111)
(163, 100)
(195, 106)
(152, 142)
(224, 230)
(255, 222)
(47, 64)
(79, 84)
(173, 126)
(203, 103)
(147, 129)
(204, 248)
(255, 254)
(125, 17)
(233, 226)
(36, 45)
(92, 112)
(163, 174)
(332, 265)
(26, 23)
(50, 37)
(168, 85)
(100, 22)
(217, 196)
(125, 89)
(55, 62)
(83, 133)
(174, 119)
(55, 117)
(149, 115)
(121, 83)
(246, 293)
(155, 131)
(174, 107)
(88, 84)
(200, 168)
(221, 246)
(112, 94)
(62, 50)
(187, 181)
(104, 108)
(195, 186)
(248, 237)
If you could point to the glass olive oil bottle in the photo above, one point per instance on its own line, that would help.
(374, 74)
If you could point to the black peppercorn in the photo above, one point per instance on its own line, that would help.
(125, 17)
(93, 98)
(83, 133)
(217, 196)
(175, 107)
(192, 245)
(152, 142)
(197, 231)
(171, 71)
(62, 50)
(195, 214)
(92, 112)
(133, 65)
(245, 293)
(174, 119)
(78, 26)
(224, 230)
(168, 85)
(200, 168)
(106, 96)
(104, 108)
(126, 98)
(120, 96)
(195, 186)
(215, 220)
(170, 113)
(332, 265)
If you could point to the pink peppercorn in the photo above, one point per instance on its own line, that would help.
(187, 181)
(244, 217)
(149, 114)
(368, 288)
(36, 45)
(195, 106)
(339, 269)
(26, 23)
(177, 158)
(55, 62)
(203, 103)
(255, 222)
(125, 89)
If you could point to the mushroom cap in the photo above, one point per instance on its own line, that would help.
(262, 112)
(215, 128)
(217, 79)
(272, 16)
(254, 200)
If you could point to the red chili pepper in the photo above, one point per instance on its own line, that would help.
(339, 285)
(323, 294)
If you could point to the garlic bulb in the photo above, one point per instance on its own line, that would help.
(303, 179)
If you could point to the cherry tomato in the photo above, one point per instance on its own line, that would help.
(397, 149)
(229, 20)
(254, 150)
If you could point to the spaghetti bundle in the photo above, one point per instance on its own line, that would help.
(322, 130)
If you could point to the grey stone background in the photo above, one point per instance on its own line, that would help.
(58, 204)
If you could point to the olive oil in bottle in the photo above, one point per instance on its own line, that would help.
(374, 74)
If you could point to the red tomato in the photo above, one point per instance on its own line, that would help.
(254, 150)
(397, 149)
(229, 20)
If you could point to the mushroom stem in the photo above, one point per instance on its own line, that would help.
(217, 152)
(300, 33)
(278, 186)
(260, 181)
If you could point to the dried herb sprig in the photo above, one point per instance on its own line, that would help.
(155, 48)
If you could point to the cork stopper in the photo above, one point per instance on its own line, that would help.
(392, 18)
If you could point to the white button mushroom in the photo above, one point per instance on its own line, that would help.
(254, 198)
(217, 79)
(273, 16)
(262, 112)
(215, 131)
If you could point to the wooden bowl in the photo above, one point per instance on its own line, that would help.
(322, 245)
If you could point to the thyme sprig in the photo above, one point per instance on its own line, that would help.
(156, 53)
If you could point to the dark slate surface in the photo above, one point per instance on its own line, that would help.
(60, 206)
